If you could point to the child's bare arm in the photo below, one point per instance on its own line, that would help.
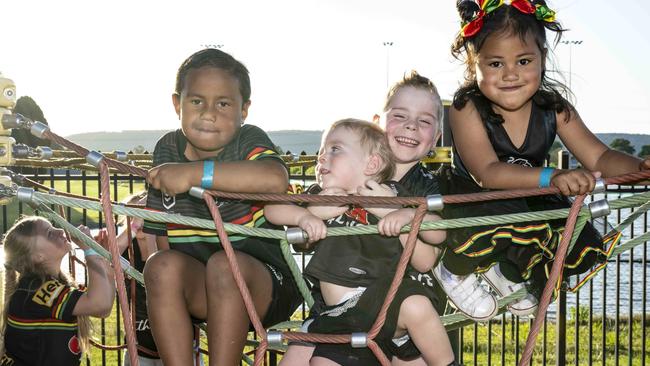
(98, 299)
(292, 215)
(425, 254)
(249, 176)
(325, 212)
(374, 189)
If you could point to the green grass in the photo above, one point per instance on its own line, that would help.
(514, 335)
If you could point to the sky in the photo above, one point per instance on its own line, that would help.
(111, 65)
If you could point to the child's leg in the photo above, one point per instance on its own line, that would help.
(228, 321)
(175, 292)
(297, 355)
(417, 362)
(418, 317)
(322, 361)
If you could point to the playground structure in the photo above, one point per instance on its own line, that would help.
(26, 190)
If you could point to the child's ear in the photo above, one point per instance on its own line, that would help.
(436, 137)
(244, 111)
(176, 100)
(374, 165)
(375, 119)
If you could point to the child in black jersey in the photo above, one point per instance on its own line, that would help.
(504, 120)
(412, 120)
(45, 317)
(353, 273)
(193, 281)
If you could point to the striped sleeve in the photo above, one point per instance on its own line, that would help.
(255, 144)
(58, 299)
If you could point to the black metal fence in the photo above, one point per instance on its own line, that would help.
(605, 323)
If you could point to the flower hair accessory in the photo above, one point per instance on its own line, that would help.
(541, 12)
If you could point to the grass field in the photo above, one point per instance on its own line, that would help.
(506, 334)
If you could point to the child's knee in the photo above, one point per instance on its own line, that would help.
(416, 308)
(161, 270)
(218, 272)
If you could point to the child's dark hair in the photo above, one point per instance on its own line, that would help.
(221, 60)
(505, 20)
(417, 81)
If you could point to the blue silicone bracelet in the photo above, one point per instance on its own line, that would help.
(208, 173)
(90, 252)
(545, 177)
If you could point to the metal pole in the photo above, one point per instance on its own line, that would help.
(560, 314)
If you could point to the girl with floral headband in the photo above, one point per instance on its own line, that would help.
(504, 119)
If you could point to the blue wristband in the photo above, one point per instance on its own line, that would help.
(545, 177)
(208, 173)
(90, 252)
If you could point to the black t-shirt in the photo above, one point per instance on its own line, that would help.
(420, 181)
(250, 143)
(354, 260)
(41, 329)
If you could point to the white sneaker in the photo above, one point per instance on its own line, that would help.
(466, 294)
(504, 287)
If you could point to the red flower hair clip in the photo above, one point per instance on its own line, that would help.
(541, 12)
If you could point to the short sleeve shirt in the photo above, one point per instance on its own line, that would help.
(420, 181)
(41, 329)
(250, 143)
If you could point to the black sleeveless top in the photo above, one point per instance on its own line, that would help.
(354, 260)
(540, 136)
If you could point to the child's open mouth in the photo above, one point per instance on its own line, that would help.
(405, 141)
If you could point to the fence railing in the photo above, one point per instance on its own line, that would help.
(605, 323)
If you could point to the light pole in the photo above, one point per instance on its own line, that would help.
(571, 43)
(212, 45)
(388, 45)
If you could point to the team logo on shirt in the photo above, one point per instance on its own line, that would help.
(168, 201)
(48, 292)
(358, 214)
(519, 161)
(73, 345)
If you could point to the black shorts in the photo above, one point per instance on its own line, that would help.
(285, 299)
(358, 314)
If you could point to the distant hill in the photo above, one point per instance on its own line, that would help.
(289, 140)
(636, 140)
(295, 141)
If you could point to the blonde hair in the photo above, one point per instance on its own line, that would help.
(18, 243)
(373, 140)
(417, 81)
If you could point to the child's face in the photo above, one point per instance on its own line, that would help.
(211, 111)
(411, 124)
(509, 71)
(342, 161)
(50, 243)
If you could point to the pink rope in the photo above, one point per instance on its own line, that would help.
(556, 271)
(239, 280)
(119, 275)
